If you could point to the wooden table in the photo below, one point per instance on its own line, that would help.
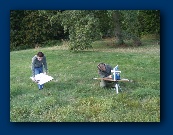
(112, 80)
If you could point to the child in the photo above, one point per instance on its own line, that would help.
(104, 71)
(38, 63)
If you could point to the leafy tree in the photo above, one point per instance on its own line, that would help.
(149, 22)
(16, 36)
(32, 27)
(131, 26)
(106, 23)
(125, 26)
(118, 29)
(82, 26)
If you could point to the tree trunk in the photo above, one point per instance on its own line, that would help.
(137, 41)
(118, 33)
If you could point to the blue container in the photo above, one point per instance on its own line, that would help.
(117, 76)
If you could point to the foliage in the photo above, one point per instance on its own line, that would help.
(16, 34)
(106, 23)
(30, 28)
(149, 22)
(118, 29)
(73, 96)
(82, 27)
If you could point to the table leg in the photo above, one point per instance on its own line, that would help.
(116, 87)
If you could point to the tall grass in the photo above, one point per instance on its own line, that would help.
(73, 96)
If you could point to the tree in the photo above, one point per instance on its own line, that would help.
(125, 26)
(149, 22)
(16, 35)
(82, 26)
(131, 26)
(32, 27)
(118, 30)
(106, 24)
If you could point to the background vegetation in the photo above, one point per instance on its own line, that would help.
(33, 28)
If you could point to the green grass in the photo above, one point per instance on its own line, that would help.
(73, 96)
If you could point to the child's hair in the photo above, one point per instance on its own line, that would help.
(40, 54)
(100, 66)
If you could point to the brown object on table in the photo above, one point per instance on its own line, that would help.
(110, 79)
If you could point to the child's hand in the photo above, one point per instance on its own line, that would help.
(110, 76)
(33, 79)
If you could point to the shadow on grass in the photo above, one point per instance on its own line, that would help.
(59, 86)
(19, 90)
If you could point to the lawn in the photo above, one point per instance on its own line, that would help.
(73, 96)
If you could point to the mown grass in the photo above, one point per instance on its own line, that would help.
(73, 96)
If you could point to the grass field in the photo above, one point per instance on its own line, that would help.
(73, 96)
